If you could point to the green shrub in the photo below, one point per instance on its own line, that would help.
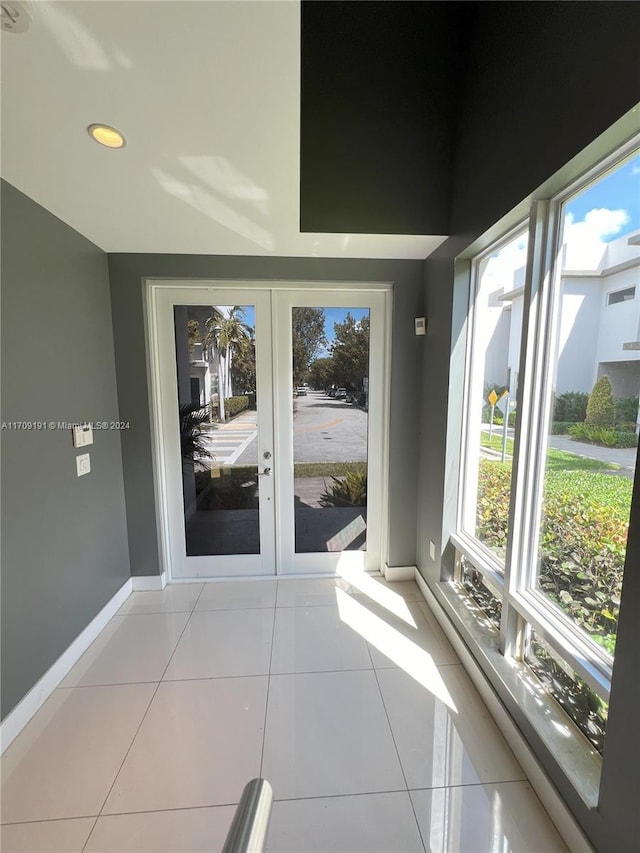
(626, 411)
(626, 426)
(604, 436)
(234, 405)
(582, 544)
(571, 407)
(601, 408)
(492, 510)
(560, 427)
(350, 490)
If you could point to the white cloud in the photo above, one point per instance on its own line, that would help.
(585, 240)
(500, 269)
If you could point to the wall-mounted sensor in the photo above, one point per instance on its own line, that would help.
(421, 326)
(82, 435)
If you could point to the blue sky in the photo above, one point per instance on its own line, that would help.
(332, 315)
(619, 190)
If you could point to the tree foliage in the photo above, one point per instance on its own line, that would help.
(601, 408)
(350, 351)
(322, 373)
(307, 338)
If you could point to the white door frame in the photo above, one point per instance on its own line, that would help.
(170, 529)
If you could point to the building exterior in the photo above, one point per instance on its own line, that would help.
(599, 296)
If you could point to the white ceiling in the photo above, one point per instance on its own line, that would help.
(208, 97)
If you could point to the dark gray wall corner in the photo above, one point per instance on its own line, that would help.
(543, 80)
(64, 538)
(380, 88)
(127, 273)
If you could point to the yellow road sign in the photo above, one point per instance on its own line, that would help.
(493, 398)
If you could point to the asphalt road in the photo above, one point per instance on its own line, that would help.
(328, 430)
(324, 430)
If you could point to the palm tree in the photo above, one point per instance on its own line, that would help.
(227, 334)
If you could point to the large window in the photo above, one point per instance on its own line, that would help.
(550, 434)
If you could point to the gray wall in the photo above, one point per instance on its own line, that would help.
(64, 538)
(537, 94)
(127, 273)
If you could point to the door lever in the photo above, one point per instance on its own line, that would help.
(265, 473)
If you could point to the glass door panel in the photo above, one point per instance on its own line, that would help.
(216, 378)
(330, 363)
(217, 426)
(330, 404)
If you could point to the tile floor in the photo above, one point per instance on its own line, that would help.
(346, 697)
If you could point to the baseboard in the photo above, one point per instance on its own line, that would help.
(146, 583)
(399, 573)
(555, 806)
(18, 718)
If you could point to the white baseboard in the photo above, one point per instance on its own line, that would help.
(555, 806)
(399, 573)
(146, 583)
(18, 718)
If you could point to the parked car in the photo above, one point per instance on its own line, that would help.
(341, 394)
(301, 391)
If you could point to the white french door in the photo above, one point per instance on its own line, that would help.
(263, 465)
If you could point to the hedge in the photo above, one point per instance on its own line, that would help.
(582, 544)
(605, 436)
(235, 405)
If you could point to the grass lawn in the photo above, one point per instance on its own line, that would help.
(302, 469)
(557, 460)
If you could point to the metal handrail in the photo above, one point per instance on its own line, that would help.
(248, 830)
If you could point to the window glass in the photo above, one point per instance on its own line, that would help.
(587, 710)
(591, 440)
(491, 393)
(621, 295)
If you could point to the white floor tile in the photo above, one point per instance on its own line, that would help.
(384, 592)
(314, 639)
(309, 593)
(406, 638)
(174, 598)
(130, 649)
(199, 745)
(65, 760)
(366, 823)
(505, 818)
(443, 731)
(181, 831)
(327, 734)
(238, 595)
(51, 836)
(224, 643)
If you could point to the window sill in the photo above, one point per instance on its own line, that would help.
(511, 691)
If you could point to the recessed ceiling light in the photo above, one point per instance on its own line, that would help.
(105, 135)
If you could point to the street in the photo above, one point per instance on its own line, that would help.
(324, 430)
(328, 430)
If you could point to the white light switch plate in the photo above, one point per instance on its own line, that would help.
(432, 549)
(83, 464)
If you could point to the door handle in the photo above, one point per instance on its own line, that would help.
(265, 473)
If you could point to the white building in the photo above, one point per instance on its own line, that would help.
(599, 321)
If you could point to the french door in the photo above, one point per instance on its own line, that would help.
(269, 408)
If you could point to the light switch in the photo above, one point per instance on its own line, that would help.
(432, 549)
(83, 464)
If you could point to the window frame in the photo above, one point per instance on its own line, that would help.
(523, 604)
(611, 293)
